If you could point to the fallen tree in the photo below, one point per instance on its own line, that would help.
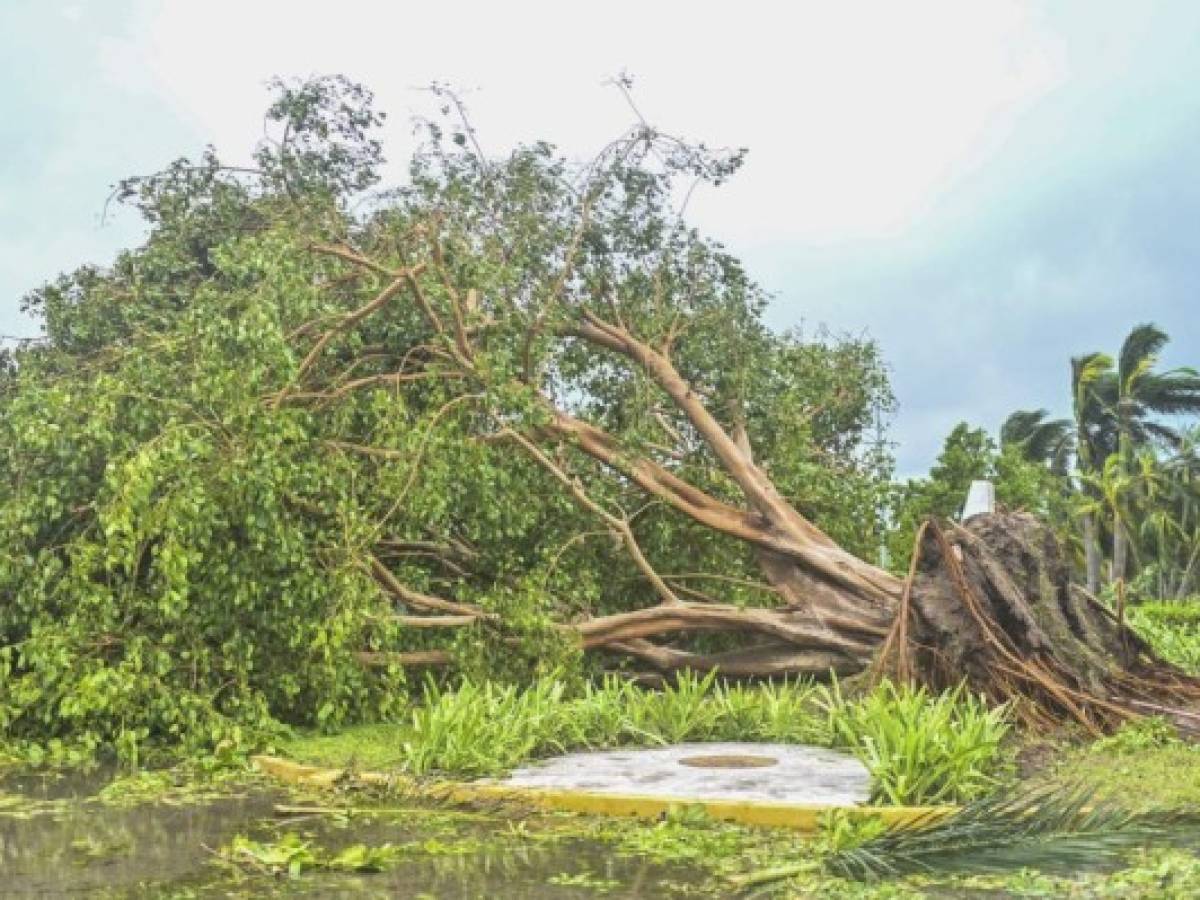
(991, 602)
(284, 454)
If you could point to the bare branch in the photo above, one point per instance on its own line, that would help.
(619, 524)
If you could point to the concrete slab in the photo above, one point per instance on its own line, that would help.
(802, 817)
(773, 773)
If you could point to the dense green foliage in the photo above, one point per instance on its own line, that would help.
(1173, 629)
(210, 455)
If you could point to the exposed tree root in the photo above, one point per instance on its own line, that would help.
(992, 603)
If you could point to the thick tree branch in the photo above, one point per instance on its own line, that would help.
(825, 558)
(418, 600)
(771, 659)
(790, 626)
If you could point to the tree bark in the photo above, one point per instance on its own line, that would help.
(1120, 550)
(1091, 552)
(993, 605)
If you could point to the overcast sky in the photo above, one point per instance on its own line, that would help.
(986, 188)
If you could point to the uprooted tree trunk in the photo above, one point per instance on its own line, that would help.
(989, 602)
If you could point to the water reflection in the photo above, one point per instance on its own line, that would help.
(55, 839)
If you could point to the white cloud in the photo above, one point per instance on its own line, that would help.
(947, 174)
(857, 114)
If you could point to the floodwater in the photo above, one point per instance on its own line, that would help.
(57, 839)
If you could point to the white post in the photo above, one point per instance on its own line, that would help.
(981, 498)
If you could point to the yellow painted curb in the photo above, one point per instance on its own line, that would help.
(775, 815)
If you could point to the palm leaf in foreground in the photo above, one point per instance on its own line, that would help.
(1055, 828)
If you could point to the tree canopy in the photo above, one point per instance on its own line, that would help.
(285, 453)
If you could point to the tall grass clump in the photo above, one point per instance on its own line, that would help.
(781, 712)
(617, 712)
(483, 729)
(682, 711)
(920, 747)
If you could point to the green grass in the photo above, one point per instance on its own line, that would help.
(919, 748)
(361, 747)
(1143, 765)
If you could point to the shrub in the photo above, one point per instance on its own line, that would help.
(918, 747)
(1172, 629)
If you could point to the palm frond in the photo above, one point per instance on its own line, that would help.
(1094, 395)
(1040, 439)
(1052, 442)
(1021, 424)
(1163, 434)
(1138, 352)
(1086, 372)
(1172, 393)
(1050, 829)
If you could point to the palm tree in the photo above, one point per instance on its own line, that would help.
(1091, 378)
(1170, 525)
(1115, 405)
(1137, 394)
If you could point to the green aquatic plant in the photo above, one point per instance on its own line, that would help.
(291, 855)
(585, 880)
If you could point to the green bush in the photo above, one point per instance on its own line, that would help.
(920, 748)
